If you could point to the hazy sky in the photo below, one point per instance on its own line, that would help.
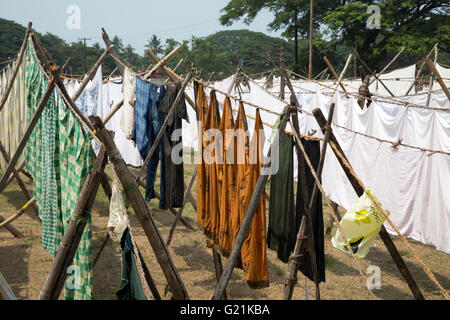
(132, 20)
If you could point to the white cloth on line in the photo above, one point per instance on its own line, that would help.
(129, 96)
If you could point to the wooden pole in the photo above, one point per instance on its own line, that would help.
(311, 14)
(388, 65)
(18, 213)
(16, 68)
(114, 52)
(180, 211)
(420, 69)
(250, 212)
(441, 82)
(72, 236)
(13, 230)
(172, 76)
(372, 73)
(28, 196)
(6, 292)
(359, 191)
(142, 212)
(27, 134)
(334, 74)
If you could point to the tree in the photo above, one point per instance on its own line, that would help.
(154, 44)
(415, 24)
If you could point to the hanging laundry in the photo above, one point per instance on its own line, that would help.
(117, 222)
(312, 149)
(174, 171)
(13, 113)
(58, 155)
(131, 286)
(227, 182)
(240, 160)
(281, 234)
(129, 96)
(210, 157)
(148, 122)
(253, 252)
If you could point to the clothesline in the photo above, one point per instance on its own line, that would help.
(373, 97)
(350, 130)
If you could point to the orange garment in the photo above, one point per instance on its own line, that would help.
(202, 217)
(227, 185)
(240, 149)
(253, 252)
(210, 157)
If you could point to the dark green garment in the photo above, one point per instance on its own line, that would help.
(131, 286)
(281, 232)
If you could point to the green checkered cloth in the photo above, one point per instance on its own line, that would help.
(59, 156)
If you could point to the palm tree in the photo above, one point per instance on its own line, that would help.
(154, 44)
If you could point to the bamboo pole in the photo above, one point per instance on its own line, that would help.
(72, 236)
(18, 214)
(388, 65)
(16, 68)
(373, 73)
(398, 260)
(431, 82)
(420, 69)
(172, 76)
(250, 212)
(13, 230)
(180, 211)
(21, 184)
(441, 82)
(6, 292)
(142, 212)
(335, 74)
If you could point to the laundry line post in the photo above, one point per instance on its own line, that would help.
(420, 69)
(388, 65)
(441, 82)
(373, 73)
(338, 78)
(384, 235)
(249, 214)
(13, 230)
(142, 212)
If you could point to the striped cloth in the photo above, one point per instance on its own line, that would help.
(59, 156)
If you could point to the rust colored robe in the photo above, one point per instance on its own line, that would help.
(253, 252)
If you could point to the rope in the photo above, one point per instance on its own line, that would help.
(402, 237)
(373, 97)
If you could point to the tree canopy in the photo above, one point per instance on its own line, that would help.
(414, 24)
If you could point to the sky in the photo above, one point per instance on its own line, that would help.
(135, 21)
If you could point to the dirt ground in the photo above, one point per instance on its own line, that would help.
(25, 264)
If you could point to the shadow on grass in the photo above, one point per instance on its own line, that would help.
(14, 267)
(339, 268)
(385, 262)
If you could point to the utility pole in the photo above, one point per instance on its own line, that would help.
(310, 37)
(296, 36)
(84, 40)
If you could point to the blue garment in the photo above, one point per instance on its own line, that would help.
(147, 123)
